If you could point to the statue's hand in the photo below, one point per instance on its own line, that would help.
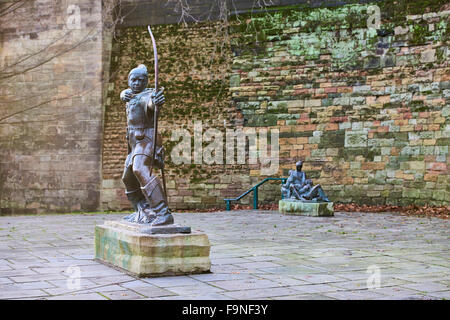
(126, 95)
(158, 98)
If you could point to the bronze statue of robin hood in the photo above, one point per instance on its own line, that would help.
(143, 188)
(145, 150)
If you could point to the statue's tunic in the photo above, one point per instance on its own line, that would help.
(296, 180)
(140, 131)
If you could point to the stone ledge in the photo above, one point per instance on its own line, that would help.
(299, 208)
(145, 228)
(151, 255)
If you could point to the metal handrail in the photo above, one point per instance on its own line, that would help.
(255, 193)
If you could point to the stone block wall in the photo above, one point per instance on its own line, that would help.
(194, 65)
(50, 106)
(365, 108)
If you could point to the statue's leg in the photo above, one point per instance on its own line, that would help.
(134, 194)
(152, 190)
(314, 191)
(321, 194)
(284, 192)
(317, 192)
(132, 187)
(296, 192)
(292, 193)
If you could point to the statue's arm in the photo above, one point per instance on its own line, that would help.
(303, 178)
(150, 103)
(288, 182)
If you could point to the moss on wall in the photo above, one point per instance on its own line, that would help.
(361, 106)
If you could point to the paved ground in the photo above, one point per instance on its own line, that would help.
(255, 255)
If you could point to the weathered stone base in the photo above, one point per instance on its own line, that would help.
(145, 228)
(123, 245)
(299, 208)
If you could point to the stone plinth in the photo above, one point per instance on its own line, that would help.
(152, 252)
(300, 208)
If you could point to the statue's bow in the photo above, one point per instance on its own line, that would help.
(155, 118)
(156, 112)
(155, 52)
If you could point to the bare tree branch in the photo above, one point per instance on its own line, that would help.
(28, 56)
(219, 10)
(111, 17)
(72, 96)
(4, 12)
(114, 10)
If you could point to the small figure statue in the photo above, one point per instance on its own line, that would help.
(297, 187)
(143, 189)
(296, 180)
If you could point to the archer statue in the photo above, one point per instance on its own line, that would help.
(297, 187)
(145, 151)
(143, 189)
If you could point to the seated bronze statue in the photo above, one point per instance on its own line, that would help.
(297, 187)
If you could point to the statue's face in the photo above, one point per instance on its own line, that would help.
(299, 166)
(137, 82)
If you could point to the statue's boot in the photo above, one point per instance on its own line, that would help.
(154, 194)
(142, 212)
(320, 194)
(323, 196)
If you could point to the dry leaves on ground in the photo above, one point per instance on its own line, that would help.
(442, 212)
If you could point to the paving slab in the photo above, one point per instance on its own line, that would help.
(283, 279)
(173, 281)
(208, 277)
(439, 295)
(316, 288)
(67, 286)
(24, 293)
(427, 287)
(260, 293)
(200, 289)
(303, 297)
(26, 286)
(122, 295)
(355, 295)
(111, 279)
(254, 255)
(150, 291)
(320, 278)
(397, 293)
(38, 277)
(78, 296)
(246, 284)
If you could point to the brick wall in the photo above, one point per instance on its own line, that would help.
(367, 111)
(50, 106)
(194, 68)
